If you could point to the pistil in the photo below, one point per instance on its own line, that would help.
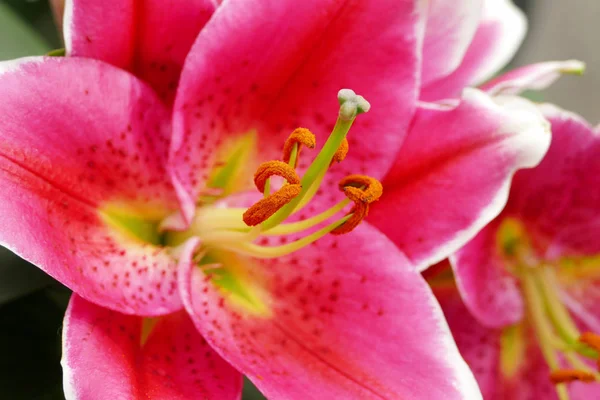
(235, 229)
(350, 106)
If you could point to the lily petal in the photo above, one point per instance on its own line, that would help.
(81, 144)
(109, 355)
(560, 199)
(490, 293)
(449, 28)
(271, 66)
(499, 35)
(532, 77)
(480, 346)
(150, 38)
(347, 317)
(453, 172)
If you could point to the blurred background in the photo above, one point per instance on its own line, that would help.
(32, 304)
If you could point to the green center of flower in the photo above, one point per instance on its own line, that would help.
(238, 229)
(566, 350)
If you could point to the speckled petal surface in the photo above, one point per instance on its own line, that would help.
(347, 317)
(271, 66)
(80, 142)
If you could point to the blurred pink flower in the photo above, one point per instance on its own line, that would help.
(531, 276)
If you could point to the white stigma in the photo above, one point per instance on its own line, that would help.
(352, 104)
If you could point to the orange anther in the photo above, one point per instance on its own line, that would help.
(571, 375)
(270, 168)
(591, 339)
(359, 212)
(268, 206)
(300, 136)
(341, 152)
(362, 190)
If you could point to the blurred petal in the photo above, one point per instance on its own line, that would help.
(347, 317)
(532, 77)
(480, 346)
(449, 29)
(83, 143)
(560, 199)
(490, 293)
(107, 355)
(453, 172)
(271, 66)
(525, 377)
(499, 35)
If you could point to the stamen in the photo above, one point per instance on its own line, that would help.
(592, 340)
(571, 375)
(357, 214)
(268, 206)
(271, 168)
(362, 190)
(351, 106)
(351, 185)
(341, 152)
(300, 136)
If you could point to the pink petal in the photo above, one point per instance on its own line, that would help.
(104, 358)
(560, 199)
(532, 77)
(100, 30)
(449, 29)
(500, 32)
(453, 172)
(345, 318)
(151, 38)
(274, 65)
(480, 346)
(77, 135)
(490, 293)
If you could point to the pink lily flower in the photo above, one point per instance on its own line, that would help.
(113, 191)
(530, 278)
